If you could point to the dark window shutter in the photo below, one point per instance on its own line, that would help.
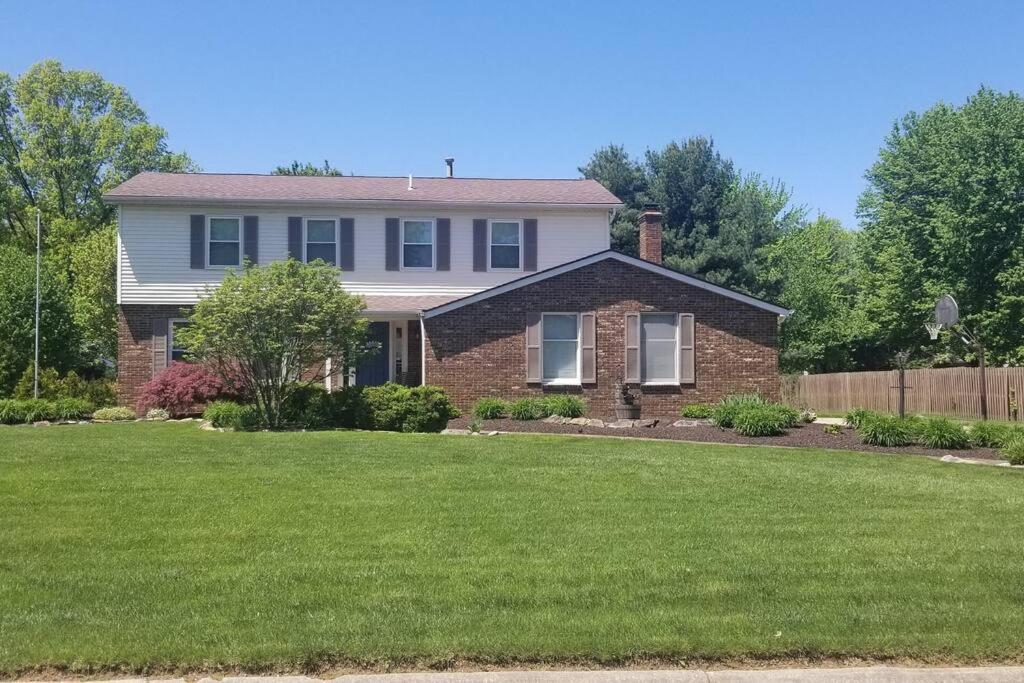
(159, 344)
(198, 240)
(632, 370)
(480, 245)
(251, 239)
(295, 237)
(687, 350)
(533, 347)
(530, 244)
(588, 348)
(391, 244)
(347, 244)
(444, 243)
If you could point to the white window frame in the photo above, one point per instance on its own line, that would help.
(433, 244)
(564, 381)
(643, 351)
(209, 239)
(171, 322)
(305, 236)
(490, 244)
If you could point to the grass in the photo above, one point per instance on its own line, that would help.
(160, 547)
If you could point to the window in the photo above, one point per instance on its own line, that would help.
(322, 240)
(224, 237)
(505, 245)
(175, 351)
(418, 244)
(659, 348)
(561, 348)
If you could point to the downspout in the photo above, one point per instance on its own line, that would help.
(423, 352)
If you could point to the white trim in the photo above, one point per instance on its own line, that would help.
(563, 381)
(423, 352)
(401, 244)
(345, 203)
(120, 227)
(675, 355)
(596, 258)
(305, 236)
(170, 337)
(207, 239)
(490, 245)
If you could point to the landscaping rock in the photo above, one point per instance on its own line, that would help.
(460, 432)
(649, 422)
(493, 433)
(594, 422)
(691, 423)
(581, 421)
(207, 426)
(553, 419)
(620, 424)
(42, 423)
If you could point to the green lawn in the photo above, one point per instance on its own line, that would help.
(162, 546)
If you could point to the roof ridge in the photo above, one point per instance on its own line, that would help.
(378, 177)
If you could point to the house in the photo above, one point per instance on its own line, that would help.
(485, 287)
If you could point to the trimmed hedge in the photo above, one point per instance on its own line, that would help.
(404, 409)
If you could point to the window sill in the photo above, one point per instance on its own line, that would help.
(561, 383)
(660, 384)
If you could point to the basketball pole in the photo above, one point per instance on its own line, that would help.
(39, 249)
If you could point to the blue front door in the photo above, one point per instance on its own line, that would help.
(374, 369)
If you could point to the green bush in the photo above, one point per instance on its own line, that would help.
(565, 406)
(724, 414)
(11, 412)
(761, 420)
(697, 411)
(941, 432)
(399, 408)
(985, 434)
(72, 408)
(833, 430)
(857, 417)
(99, 392)
(230, 415)
(1013, 450)
(887, 430)
(116, 414)
(527, 409)
(37, 409)
(790, 416)
(310, 406)
(490, 408)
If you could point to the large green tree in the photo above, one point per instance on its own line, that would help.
(67, 136)
(944, 212)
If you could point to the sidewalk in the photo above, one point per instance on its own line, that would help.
(874, 674)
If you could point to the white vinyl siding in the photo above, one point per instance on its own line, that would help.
(153, 263)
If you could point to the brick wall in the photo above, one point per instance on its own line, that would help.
(480, 349)
(135, 346)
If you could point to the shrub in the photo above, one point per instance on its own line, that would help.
(1013, 450)
(490, 408)
(790, 416)
(833, 430)
(182, 388)
(309, 405)
(698, 411)
(527, 409)
(857, 417)
(99, 392)
(985, 434)
(72, 408)
(941, 432)
(403, 409)
(565, 406)
(37, 409)
(761, 420)
(157, 414)
(725, 412)
(887, 430)
(808, 416)
(116, 414)
(240, 417)
(11, 412)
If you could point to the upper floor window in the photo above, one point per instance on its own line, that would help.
(175, 350)
(418, 244)
(505, 245)
(224, 241)
(322, 240)
(659, 348)
(560, 333)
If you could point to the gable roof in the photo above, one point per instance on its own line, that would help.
(595, 258)
(225, 187)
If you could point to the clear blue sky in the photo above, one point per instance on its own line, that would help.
(803, 92)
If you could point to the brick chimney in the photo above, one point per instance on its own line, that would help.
(649, 225)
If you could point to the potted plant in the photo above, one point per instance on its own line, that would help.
(626, 408)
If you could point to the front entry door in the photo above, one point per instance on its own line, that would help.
(373, 371)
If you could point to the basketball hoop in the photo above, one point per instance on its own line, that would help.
(933, 330)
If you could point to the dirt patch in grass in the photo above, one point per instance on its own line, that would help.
(809, 436)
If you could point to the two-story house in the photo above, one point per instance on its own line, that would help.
(485, 287)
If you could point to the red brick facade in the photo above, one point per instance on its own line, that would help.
(135, 324)
(480, 349)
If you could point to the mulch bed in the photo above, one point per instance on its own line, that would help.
(810, 436)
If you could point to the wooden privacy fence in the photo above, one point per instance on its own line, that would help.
(939, 391)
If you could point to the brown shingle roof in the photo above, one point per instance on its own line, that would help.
(376, 303)
(229, 187)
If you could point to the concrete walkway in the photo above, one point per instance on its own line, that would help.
(875, 674)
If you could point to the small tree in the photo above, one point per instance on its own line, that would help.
(269, 325)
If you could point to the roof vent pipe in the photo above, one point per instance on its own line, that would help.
(450, 163)
(410, 181)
